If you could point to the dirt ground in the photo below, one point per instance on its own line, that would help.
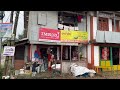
(57, 75)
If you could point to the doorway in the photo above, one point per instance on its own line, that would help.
(43, 52)
(115, 55)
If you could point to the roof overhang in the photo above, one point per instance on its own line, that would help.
(22, 42)
(57, 43)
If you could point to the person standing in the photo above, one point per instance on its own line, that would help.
(36, 55)
(34, 65)
(50, 60)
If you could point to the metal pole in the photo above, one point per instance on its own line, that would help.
(0, 51)
(114, 23)
(61, 58)
(1, 21)
(97, 20)
(78, 52)
(70, 55)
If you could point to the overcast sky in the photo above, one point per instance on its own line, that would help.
(20, 27)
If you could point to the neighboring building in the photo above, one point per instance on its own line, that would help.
(54, 22)
(104, 39)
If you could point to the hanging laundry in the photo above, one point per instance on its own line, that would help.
(79, 18)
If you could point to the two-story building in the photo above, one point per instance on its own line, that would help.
(103, 36)
(104, 40)
(65, 32)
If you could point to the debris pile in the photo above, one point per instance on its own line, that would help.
(78, 70)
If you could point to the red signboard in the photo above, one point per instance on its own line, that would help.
(50, 35)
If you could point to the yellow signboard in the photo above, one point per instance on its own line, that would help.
(74, 36)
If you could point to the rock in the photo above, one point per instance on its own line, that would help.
(91, 74)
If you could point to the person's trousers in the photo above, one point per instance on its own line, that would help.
(33, 74)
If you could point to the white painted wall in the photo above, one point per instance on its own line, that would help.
(26, 53)
(88, 26)
(94, 27)
(110, 24)
(34, 47)
(82, 24)
(89, 53)
(96, 55)
(66, 52)
(83, 50)
(119, 23)
(33, 27)
(58, 53)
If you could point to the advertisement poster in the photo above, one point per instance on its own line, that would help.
(74, 36)
(50, 35)
(5, 29)
(105, 53)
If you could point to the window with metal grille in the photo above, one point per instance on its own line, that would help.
(103, 24)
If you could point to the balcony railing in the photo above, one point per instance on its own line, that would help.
(107, 37)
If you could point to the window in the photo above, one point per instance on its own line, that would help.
(117, 26)
(19, 53)
(66, 53)
(115, 55)
(67, 21)
(42, 18)
(103, 24)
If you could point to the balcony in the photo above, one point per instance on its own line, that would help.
(107, 37)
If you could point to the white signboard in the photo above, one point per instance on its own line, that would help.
(9, 51)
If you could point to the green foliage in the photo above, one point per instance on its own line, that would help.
(1, 72)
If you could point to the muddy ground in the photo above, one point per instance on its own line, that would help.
(57, 75)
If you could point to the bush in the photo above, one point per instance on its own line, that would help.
(1, 72)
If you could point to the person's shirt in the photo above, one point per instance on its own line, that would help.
(52, 57)
(39, 54)
(36, 54)
(34, 64)
(49, 57)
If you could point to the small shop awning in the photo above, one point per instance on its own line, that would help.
(68, 43)
(56, 43)
(43, 42)
(22, 42)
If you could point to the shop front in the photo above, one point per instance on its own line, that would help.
(70, 42)
(109, 55)
(65, 45)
